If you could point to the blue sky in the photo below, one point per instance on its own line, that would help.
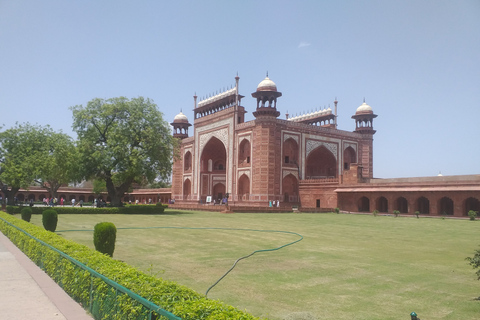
(416, 62)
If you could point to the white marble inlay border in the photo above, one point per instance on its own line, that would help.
(288, 136)
(313, 144)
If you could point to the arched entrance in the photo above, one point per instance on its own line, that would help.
(321, 164)
(218, 191)
(423, 205)
(382, 204)
(402, 205)
(243, 188)
(213, 168)
(472, 204)
(290, 188)
(363, 204)
(187, 189)
(445, 206)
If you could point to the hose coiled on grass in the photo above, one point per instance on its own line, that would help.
(230, 229)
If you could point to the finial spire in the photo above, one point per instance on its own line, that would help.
(267, 74)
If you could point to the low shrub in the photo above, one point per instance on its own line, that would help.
(417, 213)
(50, 220)
(175, 298)
(104, 235)
(396, 213)
(472, 214)
(375, 212)
(10, 209)
(337, 210)
(26, 214)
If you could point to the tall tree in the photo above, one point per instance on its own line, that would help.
(123, 141)
(20, 154)
(59, 163)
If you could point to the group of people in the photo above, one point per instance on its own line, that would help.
(53, 201)
(274, 203)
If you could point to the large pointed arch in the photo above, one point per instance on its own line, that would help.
(321, 163)
(213, 156)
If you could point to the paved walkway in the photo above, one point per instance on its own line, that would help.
(26, 292)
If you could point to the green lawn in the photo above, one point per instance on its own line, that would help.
(346, 267)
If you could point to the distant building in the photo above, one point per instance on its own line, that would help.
(303, 161)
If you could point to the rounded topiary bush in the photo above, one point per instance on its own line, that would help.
(50, 219)
(10, 209)
(26, 214)
(104, 236)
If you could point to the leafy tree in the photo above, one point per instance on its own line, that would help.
(59, 162)
(20, 156)
(475, 262)
(99, 186)
(122, 142)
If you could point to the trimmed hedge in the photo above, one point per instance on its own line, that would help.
(50, 220)
(177, 299)
(26, 214)
(128, 209)
(104, 235)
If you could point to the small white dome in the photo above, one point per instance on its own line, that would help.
(180, 118)
(267, 85)
(364, 108)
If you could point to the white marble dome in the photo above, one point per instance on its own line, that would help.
(180, 117)
(364, 108)
(267, 85)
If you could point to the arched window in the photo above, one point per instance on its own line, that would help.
(187, 162)
(290, 153)
(244, 151)
(349, 156)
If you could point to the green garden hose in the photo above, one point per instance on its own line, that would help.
(230, 229)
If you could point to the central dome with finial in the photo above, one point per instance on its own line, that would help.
(267, 85)
(180, 118)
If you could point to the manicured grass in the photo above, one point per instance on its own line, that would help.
(346, 267)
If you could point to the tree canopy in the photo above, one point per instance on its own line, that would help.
(59, 163)
(32, 153)
(123, 141)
